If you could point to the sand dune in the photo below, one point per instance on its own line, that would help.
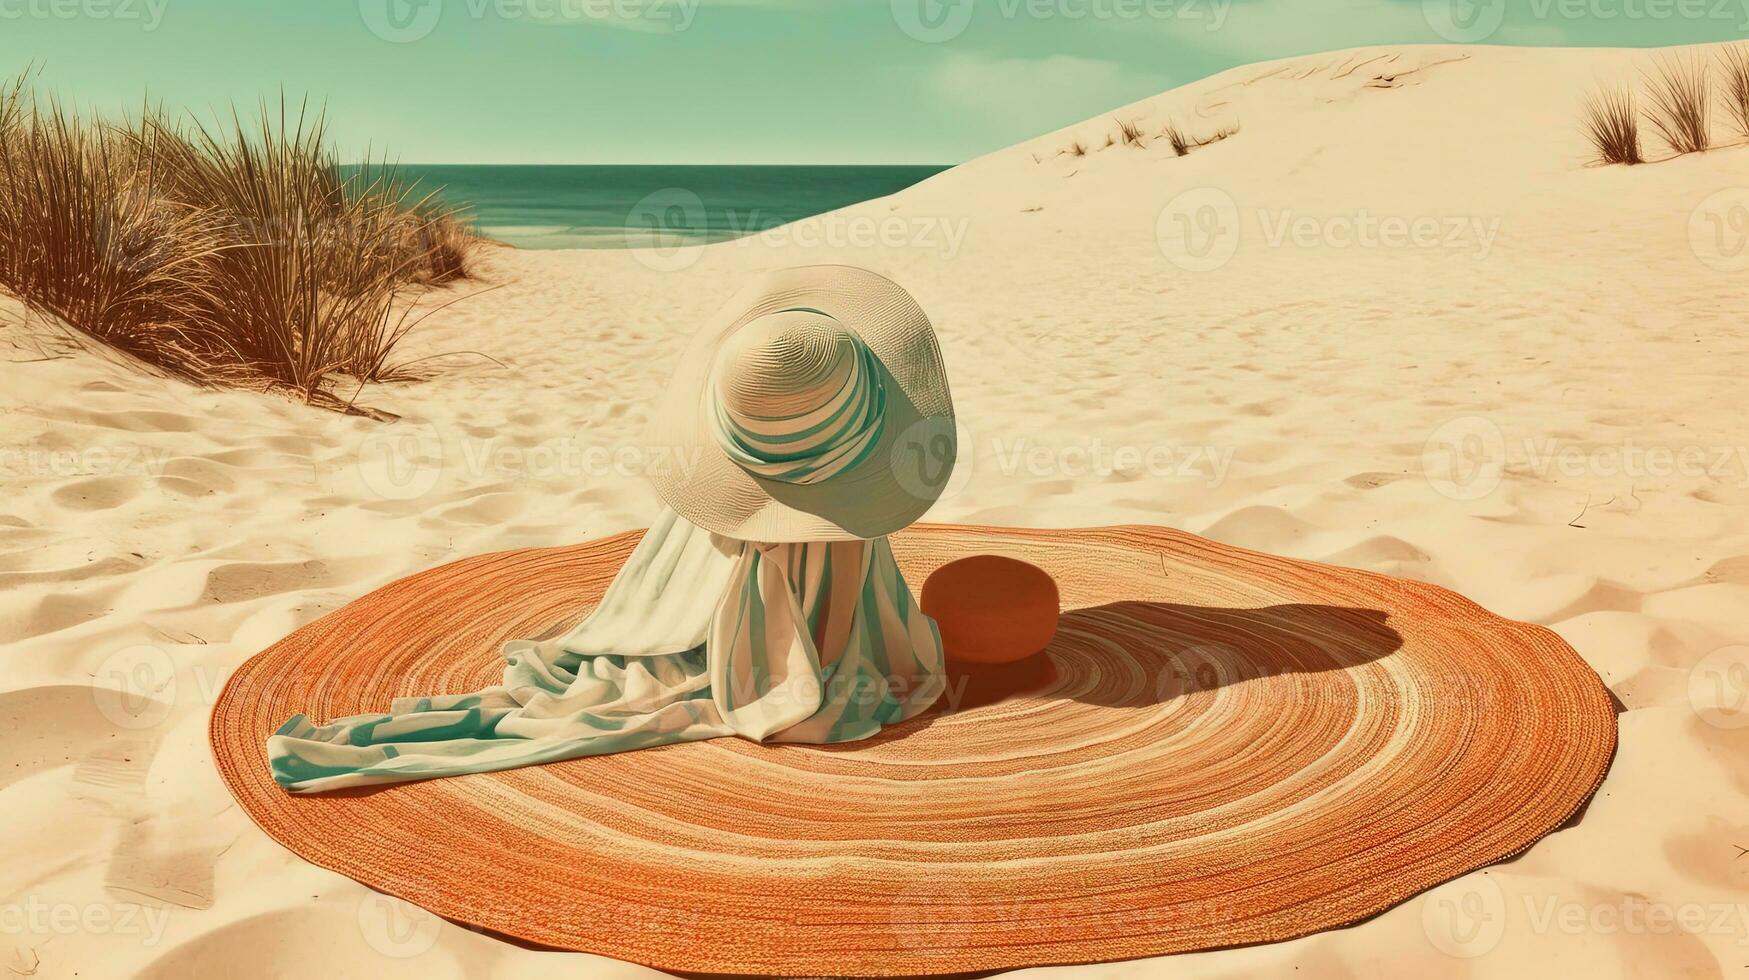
(1395, 321)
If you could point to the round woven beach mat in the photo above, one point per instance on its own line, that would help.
(1224, 747)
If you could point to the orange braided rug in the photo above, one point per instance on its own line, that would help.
(1231, 748)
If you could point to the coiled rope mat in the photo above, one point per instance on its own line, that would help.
(1232, 748)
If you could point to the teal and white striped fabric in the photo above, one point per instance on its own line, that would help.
(838, 430)
(699, 636)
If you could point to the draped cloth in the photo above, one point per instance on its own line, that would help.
(698, 636)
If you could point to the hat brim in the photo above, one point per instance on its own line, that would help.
(891, 488)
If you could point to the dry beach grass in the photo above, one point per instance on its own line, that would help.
(1680, 103)
(1612, 124)
(239, 255)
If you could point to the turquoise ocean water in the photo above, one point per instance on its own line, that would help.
(637, 206)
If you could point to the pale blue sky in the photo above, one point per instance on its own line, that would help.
(740, 81)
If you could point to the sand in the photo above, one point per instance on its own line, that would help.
(1412, 331)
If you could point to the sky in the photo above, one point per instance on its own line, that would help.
(738, 81)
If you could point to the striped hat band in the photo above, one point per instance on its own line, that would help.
(797, 397)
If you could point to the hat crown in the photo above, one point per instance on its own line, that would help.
(798, 397)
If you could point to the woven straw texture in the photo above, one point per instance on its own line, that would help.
(1229, 748)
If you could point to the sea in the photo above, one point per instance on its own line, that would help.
(602, 206)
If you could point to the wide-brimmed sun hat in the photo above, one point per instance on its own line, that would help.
(1228, 747)
(814, 406)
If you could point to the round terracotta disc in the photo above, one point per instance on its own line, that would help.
(1228, 748)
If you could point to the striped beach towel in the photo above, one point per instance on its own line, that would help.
(699, 636)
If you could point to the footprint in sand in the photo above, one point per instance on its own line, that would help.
(245, 580)
(203, 476)
(63, 725)
(1372, 481)
(96, 493)
(1262, 409)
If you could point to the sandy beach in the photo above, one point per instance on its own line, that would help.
(1395, 321)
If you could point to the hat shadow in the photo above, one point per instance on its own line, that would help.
(1183, 649)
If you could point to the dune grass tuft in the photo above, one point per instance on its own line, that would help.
(87, 238)
(1612, 125)
(444, 242)
(240, 255)
(1176, 137)
(1735, 60)
(1218, 135)
(1182, 142)
(1678, 94)
(1131, 133)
